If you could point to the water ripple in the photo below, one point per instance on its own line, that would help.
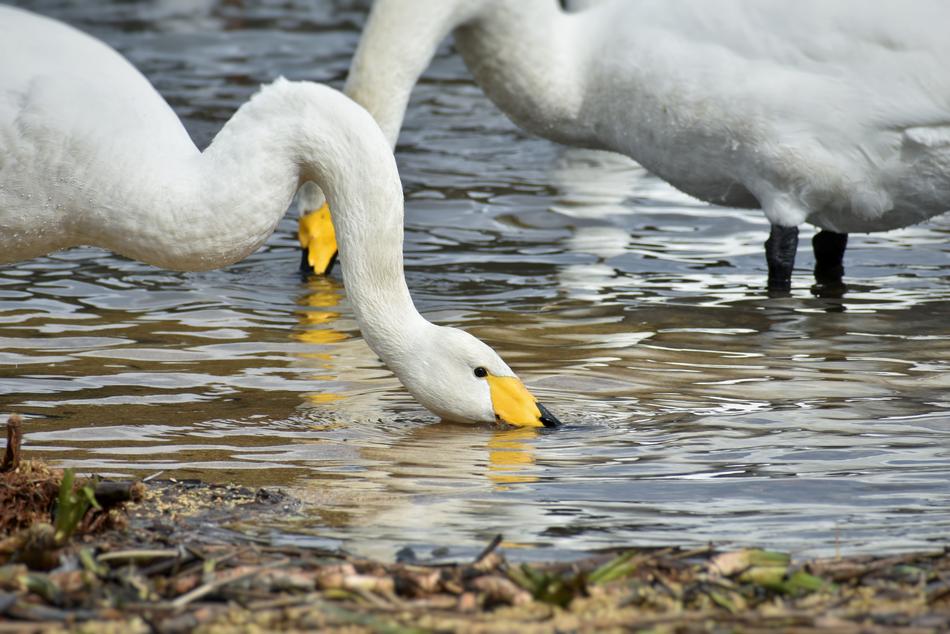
(697, 408)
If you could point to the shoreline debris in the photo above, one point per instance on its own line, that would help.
(11, 455)
(186, 558)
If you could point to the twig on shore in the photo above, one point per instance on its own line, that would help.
(138, 556)
(492, 545)
(221, 581)
(489, 559)
(11, 456)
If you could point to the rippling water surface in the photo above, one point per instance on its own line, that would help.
(697, 408)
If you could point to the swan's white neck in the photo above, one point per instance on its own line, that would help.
(174, 207)
(398, 42)
(516, 50)
(201, 210)
(329, 140)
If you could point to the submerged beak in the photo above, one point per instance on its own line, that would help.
(318, 241)
(515, 405)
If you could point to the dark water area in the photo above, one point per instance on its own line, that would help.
(698, 408)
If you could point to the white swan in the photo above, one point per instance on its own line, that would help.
(831, 113)
(93, 155)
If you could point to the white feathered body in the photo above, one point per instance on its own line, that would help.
(91, 154)
(834, 112)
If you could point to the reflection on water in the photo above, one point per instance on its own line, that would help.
(316, 327)
(510, 456)
(697, 408)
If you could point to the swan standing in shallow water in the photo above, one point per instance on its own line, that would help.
(832, 113)
(93, 155)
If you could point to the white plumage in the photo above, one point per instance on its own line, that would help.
(93, 155)
(834, 113)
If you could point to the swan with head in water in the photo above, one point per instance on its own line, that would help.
(832, 113)
(93, 155)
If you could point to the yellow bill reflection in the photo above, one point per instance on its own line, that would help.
(509, 451)
(315, 326)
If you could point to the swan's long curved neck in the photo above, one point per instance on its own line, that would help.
(321, 136)
(398, 42)
(161, 201)
(200, 210)
(522, 53)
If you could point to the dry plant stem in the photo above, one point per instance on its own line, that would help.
(137, 556)
(220, 582)
(492, 545)
(11, 457)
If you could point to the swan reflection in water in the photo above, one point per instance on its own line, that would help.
(339, 361)
(316, 326)
(393, 485)
(511, 457)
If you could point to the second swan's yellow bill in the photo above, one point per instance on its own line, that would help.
(318, 241)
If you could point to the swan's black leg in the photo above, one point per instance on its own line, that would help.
(829, 252)
(780, 255)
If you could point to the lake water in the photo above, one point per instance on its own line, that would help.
(697, 408)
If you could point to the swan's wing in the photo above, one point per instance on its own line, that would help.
(79, 127)
(890, 54)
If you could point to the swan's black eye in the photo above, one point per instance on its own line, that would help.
(481, 372)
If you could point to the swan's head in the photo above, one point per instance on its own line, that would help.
(459, 378)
